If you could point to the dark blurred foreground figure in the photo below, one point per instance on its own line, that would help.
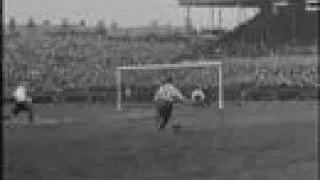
(165, 97)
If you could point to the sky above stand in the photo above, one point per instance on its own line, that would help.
(127, 13)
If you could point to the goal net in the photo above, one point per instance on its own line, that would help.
(141, 81)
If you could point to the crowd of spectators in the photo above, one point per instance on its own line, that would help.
(64, 62)
(73, 62)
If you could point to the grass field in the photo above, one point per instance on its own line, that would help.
(270, 141)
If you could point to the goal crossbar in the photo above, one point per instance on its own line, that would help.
(170, 66)
(201, 64)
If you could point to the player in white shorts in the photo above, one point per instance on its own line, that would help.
(22, 102)
(165, 97)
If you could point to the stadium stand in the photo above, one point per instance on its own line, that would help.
(60, 61)
(270, 32)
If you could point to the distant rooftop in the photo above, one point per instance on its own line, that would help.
(248, 3)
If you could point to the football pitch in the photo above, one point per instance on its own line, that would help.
(258, 141)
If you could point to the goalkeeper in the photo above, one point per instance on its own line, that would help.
(198, 97)
(165, 97)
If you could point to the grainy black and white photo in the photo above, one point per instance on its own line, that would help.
(160, 89)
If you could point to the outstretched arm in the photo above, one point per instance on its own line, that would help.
(181, 98)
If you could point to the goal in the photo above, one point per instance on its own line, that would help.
(183, 65)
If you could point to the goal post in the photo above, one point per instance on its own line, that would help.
(183, 65)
